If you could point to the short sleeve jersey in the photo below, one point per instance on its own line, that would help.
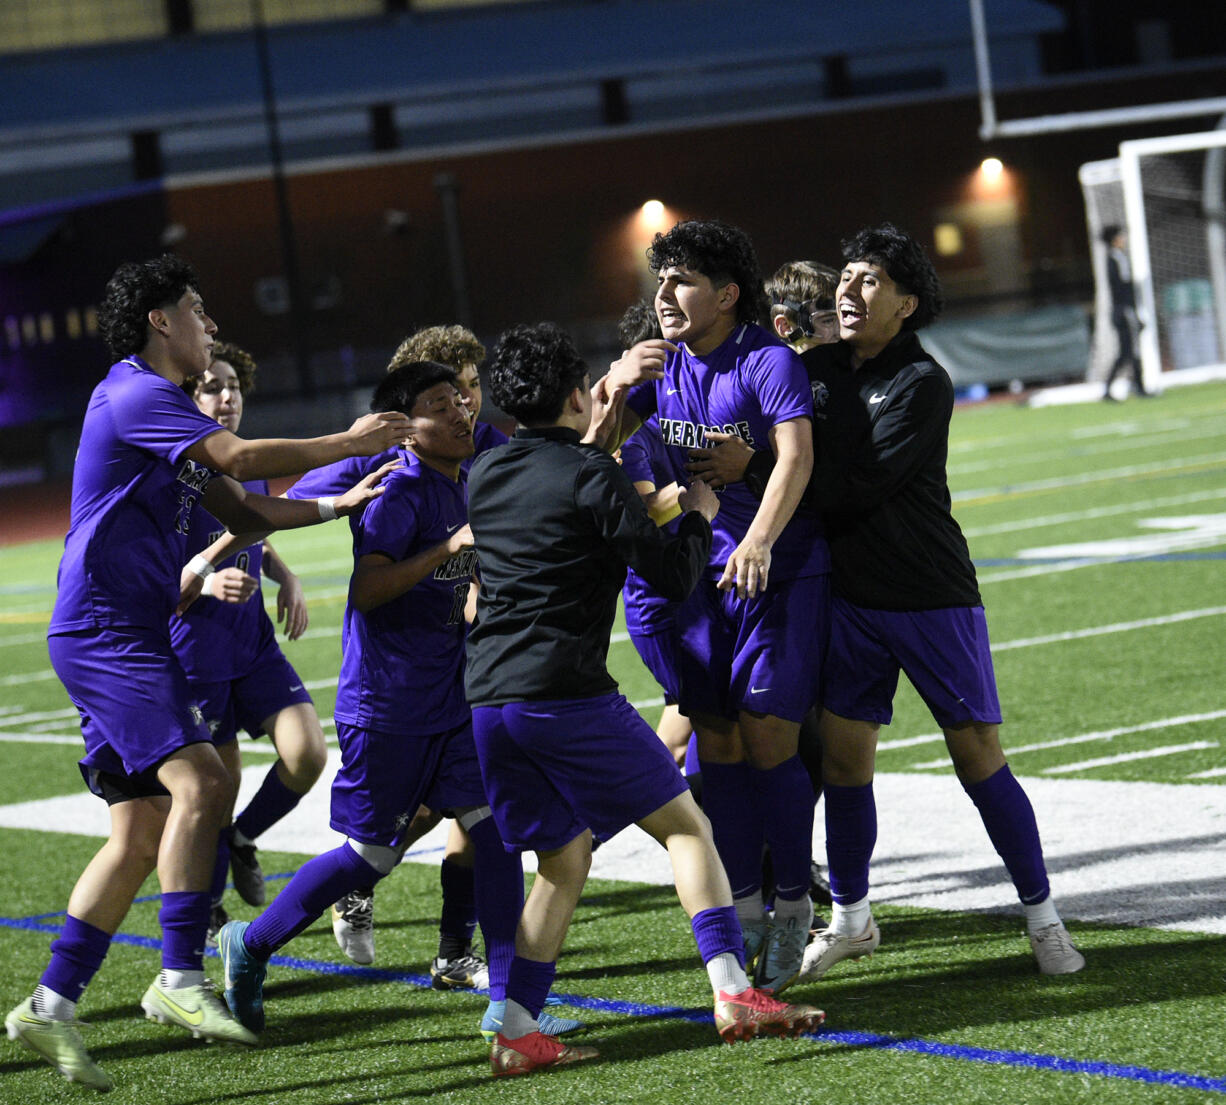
(402, 669)
(747, 385)
(221, 640)
(133, 496)
(644, 461)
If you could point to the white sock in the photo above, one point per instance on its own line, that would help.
(517, 1021)
(53, 1006)
(1040, 915)
(177, 980)
(749, 909)
(851, 919)
(727, 974)
(801, 908)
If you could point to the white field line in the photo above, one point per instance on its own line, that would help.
(1212, 773)
(1022, 524)
(1125, 757)
(27, 677)
(1117, 627)
(1100, 735)
(1119, 445)
(24, 639)
(1098, 476)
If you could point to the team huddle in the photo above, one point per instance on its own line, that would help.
(762, 471)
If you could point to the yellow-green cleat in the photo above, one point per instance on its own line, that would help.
(59, 1043)
(196, 1008)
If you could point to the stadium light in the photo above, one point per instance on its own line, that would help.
(653, 215)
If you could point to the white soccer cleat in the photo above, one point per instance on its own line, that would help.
(1055, 952)
(353, 925)
(783, 956)
(58, 1042)
(830, 947)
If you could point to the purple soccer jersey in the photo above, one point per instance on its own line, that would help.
(217, 640)
(749, 384)
(403, 663)
(133, 495)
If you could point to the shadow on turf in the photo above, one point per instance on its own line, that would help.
(982, 970)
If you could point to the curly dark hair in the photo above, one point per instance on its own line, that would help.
(639, 323)
(905, 262)
(722, 253)
(454, 345)
(240, 360)
(532, 371)
(137, 288)
(399, 389)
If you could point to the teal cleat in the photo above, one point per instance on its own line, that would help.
(244, 976)
(491, 1023)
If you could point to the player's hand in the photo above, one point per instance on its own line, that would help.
(460, 540)
(367, 488)
(231, 585)
(292, 607)
(640, 363)
(748, 568)
(607, 406)
(699, 496)
(722, 462)
(373, 433)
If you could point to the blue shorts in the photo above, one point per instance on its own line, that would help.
(658, 651)
(945, 653)
(554, 768)
(244, 703)
(385, 777)
(761, 654)
(132, 694)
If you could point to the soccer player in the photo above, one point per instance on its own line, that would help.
(752, 635)
(456, 966)
(404, 726)
(905, 593)
(563, 754)
(147, 458)
(237, 673)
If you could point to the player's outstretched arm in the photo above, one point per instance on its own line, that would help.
(268, 458)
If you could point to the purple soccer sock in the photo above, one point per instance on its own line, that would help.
(1009, 818)
(731, 803)
(184, 917)
(76, 955)
(717, 931)
(529, 982)
(851, 836)
(458, 918)
(498, 877)
(271, 803)
(785, 796)
(315, 886)
(221, 869)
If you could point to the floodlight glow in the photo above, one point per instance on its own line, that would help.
(991, 168)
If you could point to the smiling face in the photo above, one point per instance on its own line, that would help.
(440, 428)
(219, 395)
(187, 333)
(692, 309)
(871, 308)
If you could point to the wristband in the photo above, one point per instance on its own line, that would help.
(209, 587)
(327, 508)
(201, 567)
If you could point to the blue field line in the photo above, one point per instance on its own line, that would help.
(996, 1057)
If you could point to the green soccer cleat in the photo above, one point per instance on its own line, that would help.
(196, 1008)
(59, 1043)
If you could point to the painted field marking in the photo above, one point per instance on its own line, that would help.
(1020, 524)
(1125, 757)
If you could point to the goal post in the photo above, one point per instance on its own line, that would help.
(1173, 202)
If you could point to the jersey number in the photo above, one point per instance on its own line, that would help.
(459, 599)
(183, 520)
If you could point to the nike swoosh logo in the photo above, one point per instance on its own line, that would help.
(758, 690)
(192, 1016)
(452, 529)
(875, 399)
(672, 391)
(296, 687)
(25, 1019)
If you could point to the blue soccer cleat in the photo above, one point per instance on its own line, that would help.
(549, 1025)
(244, 976)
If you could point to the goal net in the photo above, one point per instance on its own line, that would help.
(1168, 192)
